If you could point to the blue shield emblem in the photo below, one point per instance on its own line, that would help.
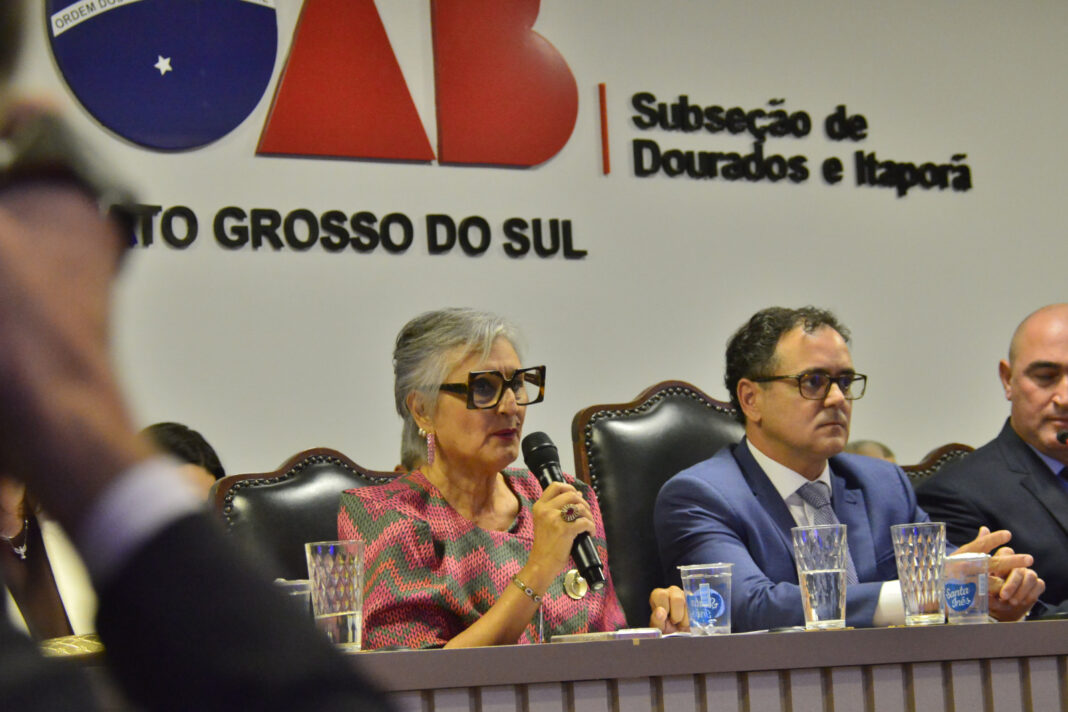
(165, 74)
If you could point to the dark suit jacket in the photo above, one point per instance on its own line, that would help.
(188, 625)
(726, 509)
(1005, 485)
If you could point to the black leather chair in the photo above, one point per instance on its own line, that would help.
(935, 461)
(273, 514)
(626, 451)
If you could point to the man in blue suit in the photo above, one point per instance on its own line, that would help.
(791, 379)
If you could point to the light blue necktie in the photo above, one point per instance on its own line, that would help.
(817, 494)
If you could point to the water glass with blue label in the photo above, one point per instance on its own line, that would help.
(965, 584)
(708, 597)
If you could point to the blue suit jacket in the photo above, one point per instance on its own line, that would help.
(726, 509)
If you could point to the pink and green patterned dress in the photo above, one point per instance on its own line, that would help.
(430, 573)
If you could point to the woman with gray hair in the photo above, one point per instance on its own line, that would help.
(463, 551)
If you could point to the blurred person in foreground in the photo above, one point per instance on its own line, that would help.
(463, 551)
(791, 379)
(1018, 480)
(66, 434)
(49, 590)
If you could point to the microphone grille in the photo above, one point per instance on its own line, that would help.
(538, 449)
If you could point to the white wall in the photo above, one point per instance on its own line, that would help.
(269, 353)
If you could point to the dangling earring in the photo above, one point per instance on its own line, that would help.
(429, 446)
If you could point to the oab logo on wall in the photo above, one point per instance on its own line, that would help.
(176, 75)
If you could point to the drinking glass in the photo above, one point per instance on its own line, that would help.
(821, 553)
(335, 569)
(708, 597)
(965, 588)
(920, 551)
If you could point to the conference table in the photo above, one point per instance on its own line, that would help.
(1004, 666)
(994, 668)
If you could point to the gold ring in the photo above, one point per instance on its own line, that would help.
(569, 512)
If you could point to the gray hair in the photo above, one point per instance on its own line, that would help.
(427, 348)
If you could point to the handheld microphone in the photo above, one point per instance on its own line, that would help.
(542, 458)
(1062, 437)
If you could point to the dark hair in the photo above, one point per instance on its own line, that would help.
(186, 444)
(751, 351)
(10, 29)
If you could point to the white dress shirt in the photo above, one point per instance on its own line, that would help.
(890, 609)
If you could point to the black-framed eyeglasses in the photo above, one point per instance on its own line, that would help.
(484, 389)
(815, 385)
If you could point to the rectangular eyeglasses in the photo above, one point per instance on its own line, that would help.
(484, 389)
(815, 385)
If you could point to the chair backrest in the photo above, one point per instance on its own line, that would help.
(273, 514)
(626, 451)
(935, 461)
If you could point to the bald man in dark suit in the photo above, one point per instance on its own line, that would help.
(1017, 481)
